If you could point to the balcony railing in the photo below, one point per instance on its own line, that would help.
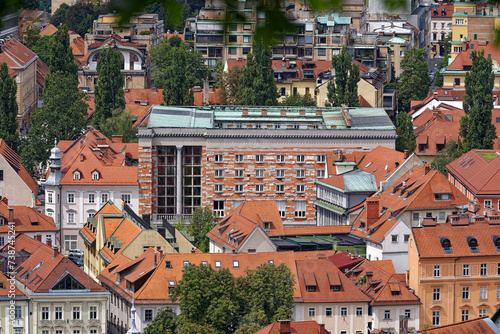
(171, 217)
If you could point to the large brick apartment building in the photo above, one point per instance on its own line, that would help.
(222, 156)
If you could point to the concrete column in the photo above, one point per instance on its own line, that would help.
(179, 179)
(112, 195)
(98, 203)
(82, 212)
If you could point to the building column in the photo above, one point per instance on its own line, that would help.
(179, 179)
(82, 212)
(112, 195)
(98, 200)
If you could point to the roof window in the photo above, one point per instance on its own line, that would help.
(496, 240)
(76, 175)
(95, 176)
(168, 265)
(472, 244)
(446, 244)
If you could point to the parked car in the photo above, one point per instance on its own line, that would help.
(76, 260)
(75, 253)
(432, 74)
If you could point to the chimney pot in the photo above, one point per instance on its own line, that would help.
(372, 211)
(264, 112)
(193, 250)
(283, 112)
(319, 113)
(101, 141)
(244, 112)
(284, 327)
(407, 154)
(11, 214)
(427, 168)
(49, 242)
(302, 112)
(55, 251)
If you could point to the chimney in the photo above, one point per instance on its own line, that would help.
(11, 214)
(153, 90)
(372, 211)
(427, 168)
(381, 33)
(206, 101)
(55, 251)
(435, 111)
(322, 329)
(244, 112)
(393, 34)
(234, 251)
(160, 251)
(101, 141)
(49, 242)
(155, 259)
(82, 157)
(302, 112)
(117, 138)
(126, 90)
(369, 275)
(193, 250)
(319, 113)
(283, 112)
(264, 112)
(407, 154)
(38, 237)
(284, 327)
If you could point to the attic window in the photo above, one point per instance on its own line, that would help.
(185, 264)
(446, 244)
(497, 243)
(384, 209)
(168, 265)
(2, 221)
(272, 261)
(204, 263)
(217, 264)
(171, 283)
(95, 176)
(310, 288)
(334, 287)
(473, 244)
(267, 226)
(236, 264)
(76, 176)
(441, 197)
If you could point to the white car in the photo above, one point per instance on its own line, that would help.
(76, 252)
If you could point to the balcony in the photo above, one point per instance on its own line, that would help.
(157, 218)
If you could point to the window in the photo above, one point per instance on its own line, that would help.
(231, 51)
(300, 209)
(343, 311)
(498, 292)
(484, 266)
(283, 91)
(95, 176)
(408, 314)
(2, 241)
(437, 271)
(91, 198)
(232, 38)
(238, 173)
(1, 175)
(459, 21)
(238, 157)
(321, 52)
(233, 27)
(387, 314)
(238, 188)
(280, 158)
(465, 292)
(498, 269)
(104, 198)
(442, 27)
(71, 218)
(76, 176)
(50, 197)
(394, 238)
(436, 294)
(320, 173)
(218, 188)
(465, 270)
(259, 158)
(70, 242)
(328, 312)
(281, 208)
(312, 312)
(406, 237)
(45, 313)
(59, 313)
(280, 173)
(434, 36)
(93, 312)
(217, 264)
(301, 158)
(300, 188)
(280, 188)
(185, 264)
(219, 157)
(18, 312)
(45, 332)
(76, 331)
(218, 172)
(219, 208)
(148, 315)
(435, 318)
(321, 158)
(415, 216)
(71, 198)
(259, 173)
(126, 198)
(259, 188)
(92, 331)
(482, 312)
(482, 292)
(359, 311)
(247, 39)
(247, 27)
(301, 173)
(76, 312)
(465, 315)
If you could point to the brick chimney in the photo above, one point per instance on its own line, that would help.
(193, 250)
(82, 157)
(264, 112)
(346, 115)
(11, 214)
(407, 154)
(302, 112)
(55, 251)
(49, 242)
(372, 211)
(283, 112)
(319, 112)
(244, 112)
(101, 141)
(38, 237)
(284, 326)
(427, 168)
(369, 275)
(161, 252)
(322, 329)
(117, 138)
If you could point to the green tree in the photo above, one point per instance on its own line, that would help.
(62, 117)
(120, 123)
(476, 129)
(450, 153)
(32, 36)
(208, 297)
(413, 83)
(343, 89)
(218, 72)
(257, 87)
(203, 221)
(229, 85)
(8, 108)
(298, 100)
(61, 54)
(79, 17)
(165, 322)
(41, 48)
(59, 16)
(177, 69)
(404, 129)
(109, 93)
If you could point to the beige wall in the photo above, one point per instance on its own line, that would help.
(303, 88)
(13, 187)
(336, 323)
(27, 96)
(146, 238)
(259, 241)
(185, 245)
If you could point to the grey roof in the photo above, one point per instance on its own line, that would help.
(355, 181)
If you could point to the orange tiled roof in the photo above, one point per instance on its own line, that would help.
(78, 46)
(375, 162)
(15, 54)
(6, 290)
(14, 161)
(479, 325)
(168, 35)
(363, 103)
(428, 239)
(296, 327)
(447, 8)
(317, 66)
(42, 70)
(48, 30)
(463, 60)
(213, 97)
(107, 208)
(138, 98)
(26, 219)
(479, 175)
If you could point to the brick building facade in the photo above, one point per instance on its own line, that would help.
(229, 155)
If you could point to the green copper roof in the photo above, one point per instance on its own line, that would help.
(180, 117)
(329, 207)
(397, 40)
(331, 20)
(355, 181)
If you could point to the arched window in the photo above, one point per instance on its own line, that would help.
(95, 57)
(123, 61)
(133, 59)
(446, 244)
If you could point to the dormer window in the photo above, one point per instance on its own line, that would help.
(2, 222)
(446, 244)
(310, 288)
(473, 245)
(76, 176)
(441, 197)
(496, 240)
(168, 265)
(334, 287)
(267, 226)
(95, 176)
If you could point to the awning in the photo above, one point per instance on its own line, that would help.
(330, 207)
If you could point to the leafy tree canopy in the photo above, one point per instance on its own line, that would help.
(476, 129)
(203, 221)
(32, 36)
(41, 48)
(165, 322)
(298, 101)
(413, 83)
(8, 108)
(404, 129)
(450, 153)
(343, 88)
(229, 85)
(61, 54)
(120, 123)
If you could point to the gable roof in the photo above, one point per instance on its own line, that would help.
(478, 170)
(14, 161)
(16, 55)
(78, 46)
(463, 61)
(302, 327)
(26, 219)
(447, 9)
(48, 30)
(381, 162)
(478, 325)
